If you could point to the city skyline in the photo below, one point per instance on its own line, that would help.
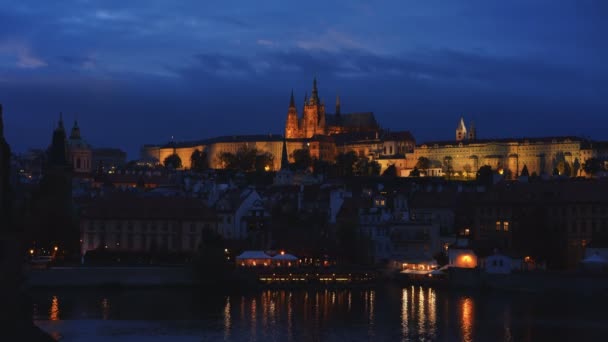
(218, 71)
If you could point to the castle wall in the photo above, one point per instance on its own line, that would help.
(539, 156)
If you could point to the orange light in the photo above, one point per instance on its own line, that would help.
(56, 248)
(31, 252)
(282, 252)
(255, 264)
(466, 259)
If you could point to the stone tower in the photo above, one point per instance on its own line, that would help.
(472, 131)
(461, 130)
(314, 114)
(292, 127)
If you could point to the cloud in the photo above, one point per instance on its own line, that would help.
(25, 58)
(113, 15)
(331, 41)
(85, 62)
(265, 42)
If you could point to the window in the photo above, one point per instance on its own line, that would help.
(228, 219)
(505, 226)
(130, 241)
(498, 226)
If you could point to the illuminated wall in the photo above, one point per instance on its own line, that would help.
(538, 155)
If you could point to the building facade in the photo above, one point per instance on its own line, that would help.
(145, 224)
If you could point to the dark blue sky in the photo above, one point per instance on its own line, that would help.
(142, 72)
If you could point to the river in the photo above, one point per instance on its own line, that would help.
(387, 313)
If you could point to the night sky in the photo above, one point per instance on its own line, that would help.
(143, 72)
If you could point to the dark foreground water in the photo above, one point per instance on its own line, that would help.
(383, 314)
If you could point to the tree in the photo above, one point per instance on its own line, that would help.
(390, 171)
(485, 175)
(320, 167)
(592, 166)
(173, 161)
(198, 161)
(447, 166)
(365, 167)
(415, 172)
(423, 163)
(244, 159)
(302, 159)
(345, 163)
(264, 162)
(525, 172)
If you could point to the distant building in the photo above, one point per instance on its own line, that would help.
(125, 222)
(551, 221)
(109, 158)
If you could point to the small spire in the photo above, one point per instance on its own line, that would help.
(60, 125)
(338, 104)
(314, 97)
(284, 157)
(305, 98)
(292, 102)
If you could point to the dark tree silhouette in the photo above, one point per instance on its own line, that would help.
(198, 161)
(173, 161)
(302, 158)
(390, 171)
(485, 175)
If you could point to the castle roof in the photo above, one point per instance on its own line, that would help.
(525, 140)
(365, 120)
(226, 139)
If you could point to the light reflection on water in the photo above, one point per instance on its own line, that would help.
(409, 313)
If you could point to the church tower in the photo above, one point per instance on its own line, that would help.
(314, 114)
(461, 130)
(472, 131)
(58, 152)
(80, 152)
(292, 127)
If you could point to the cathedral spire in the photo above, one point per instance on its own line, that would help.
(337, 104)
(314, 97)
(292, 102)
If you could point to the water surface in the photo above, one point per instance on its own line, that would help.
(387, 313)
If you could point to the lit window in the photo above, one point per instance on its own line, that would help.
(467, 231)
(505, 226)
(497, 226)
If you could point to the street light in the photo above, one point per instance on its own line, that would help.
(55, 248)
(31, 251)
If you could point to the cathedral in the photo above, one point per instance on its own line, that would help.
(316, 122)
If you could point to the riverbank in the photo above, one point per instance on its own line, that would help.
(111, 276)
